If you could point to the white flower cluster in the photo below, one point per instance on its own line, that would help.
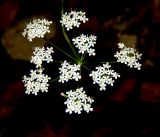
(69, 72)
(85, 43)
(40, 55)
(36, 82)
(36, 28)
(73, 19)
(128, 56)
(77, 101)
(104, 75)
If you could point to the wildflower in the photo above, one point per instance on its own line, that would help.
(40, 55)
(128, 56)
(73, 19)
(77, 101)
(104, 75)
(37, 28)
(36, 82)
(85, 44)
(69, 72)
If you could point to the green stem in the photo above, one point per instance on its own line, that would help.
(66, 36)
(62, 10)
(58, 62)
(86, 67)
(61, 50)
(54, 79)
(96, 62)
(110, 62)
(83, 56)
(68, 41)
(107, 62)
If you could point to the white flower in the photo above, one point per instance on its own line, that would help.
(104, 75)
(69, 72)
(85, 44)
(40, 55)
(77, 101)
(128, 56)
(36, 82)
(73, 19)
(37, 28)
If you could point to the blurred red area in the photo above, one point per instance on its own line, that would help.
(8, 9)
(150, 92)
(10, 98)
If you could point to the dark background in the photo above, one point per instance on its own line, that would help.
(130, 108)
